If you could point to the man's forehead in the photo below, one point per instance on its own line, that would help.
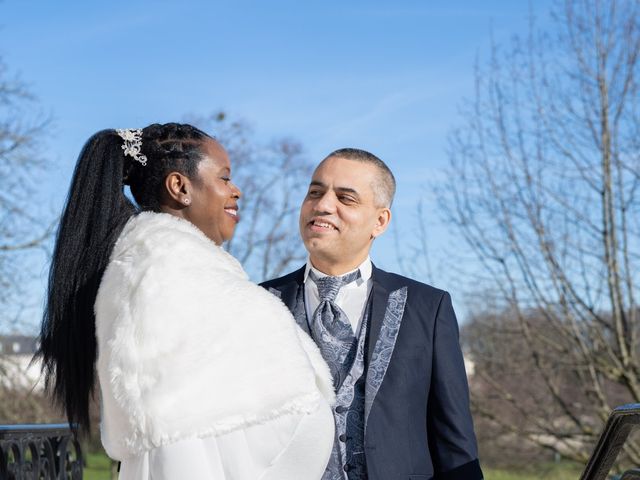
(341, 170)
(345, 176)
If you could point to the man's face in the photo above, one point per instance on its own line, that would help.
(339, 217)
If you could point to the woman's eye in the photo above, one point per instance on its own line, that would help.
(226, 179)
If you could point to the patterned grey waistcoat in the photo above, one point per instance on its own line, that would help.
(352, 401)
(347, 460)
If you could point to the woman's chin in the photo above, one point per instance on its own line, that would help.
(228, 236)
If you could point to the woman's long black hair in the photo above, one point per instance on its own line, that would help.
(94, 215)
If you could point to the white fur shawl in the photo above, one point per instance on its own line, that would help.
(189, 347)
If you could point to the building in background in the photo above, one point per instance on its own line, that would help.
(17, 367)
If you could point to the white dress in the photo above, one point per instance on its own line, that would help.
(272, 451)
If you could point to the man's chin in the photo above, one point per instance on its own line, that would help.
(320, 248)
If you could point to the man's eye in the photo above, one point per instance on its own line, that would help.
(314, 193)
(226, 179)
(346, 199)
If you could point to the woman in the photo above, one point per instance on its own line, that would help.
(202, 373)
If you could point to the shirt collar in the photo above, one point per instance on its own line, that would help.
(365, 270)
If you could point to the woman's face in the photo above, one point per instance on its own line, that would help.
(214, 198)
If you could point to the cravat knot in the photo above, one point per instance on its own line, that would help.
(330, 328)
(328, 287)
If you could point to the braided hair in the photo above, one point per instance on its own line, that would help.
(172, 147)
(94, 215)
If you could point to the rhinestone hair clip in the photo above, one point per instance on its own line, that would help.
(132, 143)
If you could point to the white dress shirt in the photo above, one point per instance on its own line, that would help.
(352, 298)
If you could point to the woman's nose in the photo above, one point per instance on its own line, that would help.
(236, 191)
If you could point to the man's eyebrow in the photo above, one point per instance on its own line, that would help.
(348, 190)
(318, 183)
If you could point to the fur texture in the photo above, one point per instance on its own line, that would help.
(189, 347)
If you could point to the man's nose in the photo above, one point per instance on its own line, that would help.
(326, 203)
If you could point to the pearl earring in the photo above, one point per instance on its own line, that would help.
(186, 201)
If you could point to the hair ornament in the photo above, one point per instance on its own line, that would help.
(132, 143)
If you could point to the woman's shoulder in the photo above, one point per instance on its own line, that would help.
(164, 239)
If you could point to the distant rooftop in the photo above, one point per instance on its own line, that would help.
(18, 345)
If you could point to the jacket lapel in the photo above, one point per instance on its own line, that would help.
(379, 298)
(292, 295)
(387, 310)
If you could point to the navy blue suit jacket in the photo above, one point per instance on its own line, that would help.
(418, 422)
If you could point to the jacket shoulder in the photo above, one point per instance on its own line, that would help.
(278, 283)
(394, 281)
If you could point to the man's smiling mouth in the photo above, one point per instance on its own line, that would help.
(322, 224)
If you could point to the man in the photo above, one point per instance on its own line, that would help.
(402, 409)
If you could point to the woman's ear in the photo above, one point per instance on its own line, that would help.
(178, 188)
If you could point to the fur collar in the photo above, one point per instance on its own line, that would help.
(188, 346)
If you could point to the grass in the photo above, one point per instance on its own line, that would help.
(550, 471)
(98, 466)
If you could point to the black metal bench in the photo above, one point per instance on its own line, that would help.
(39, 452)
(618, 427)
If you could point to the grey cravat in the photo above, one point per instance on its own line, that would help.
(330, 327)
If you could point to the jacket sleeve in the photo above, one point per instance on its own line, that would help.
(452, 441)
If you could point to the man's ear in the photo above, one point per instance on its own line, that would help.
(382, 222)
(178, 188)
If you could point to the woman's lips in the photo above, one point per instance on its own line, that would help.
(233, 213)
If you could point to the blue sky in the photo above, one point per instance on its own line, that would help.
(384, 76)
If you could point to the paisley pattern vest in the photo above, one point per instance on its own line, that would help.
(357, 394)
(347, 460)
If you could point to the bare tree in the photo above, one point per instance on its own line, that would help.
(273, 178)
(22, 398)
(544, 189)
(412, 252)
(23, 228)
(510, 394)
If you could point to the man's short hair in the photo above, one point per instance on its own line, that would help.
(385, 185)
